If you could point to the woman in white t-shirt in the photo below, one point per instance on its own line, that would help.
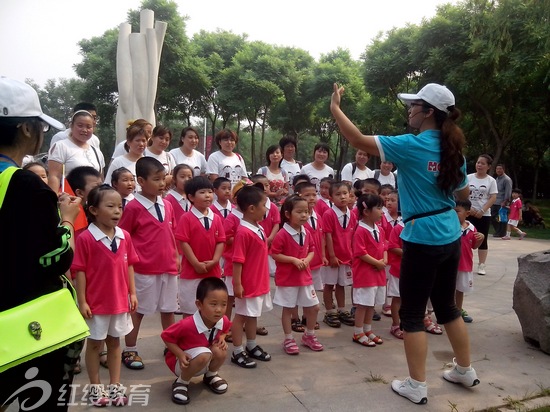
(317, 169)
(483, 193)
(277, 176)
(137, 136)
(289, 164)
(357, 170)
(225, 162)
(156, 147)
(75, 151)
(187, 154)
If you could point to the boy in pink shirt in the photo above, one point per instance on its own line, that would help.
(515, 216)
(151, 223)
(221, 204)
(251, 285)
(201, 236)
(196, 344)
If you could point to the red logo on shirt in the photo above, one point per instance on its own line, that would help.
(433, 166)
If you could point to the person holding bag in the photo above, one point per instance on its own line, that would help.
(35, 226)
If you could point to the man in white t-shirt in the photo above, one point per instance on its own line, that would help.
(90, 108)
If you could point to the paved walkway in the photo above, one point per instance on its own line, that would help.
(348, 377)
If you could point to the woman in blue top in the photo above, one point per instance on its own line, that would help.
(432, 170)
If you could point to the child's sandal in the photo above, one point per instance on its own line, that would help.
(179, 391)
(243, 360)
(432, 327)
(297, 326)
(397, 332)
(376, 339)
(214, 383)
(258, 353)
(363, 340)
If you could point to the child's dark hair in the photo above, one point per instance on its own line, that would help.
(146, 166)
(77, 177)
(299, 177)
(337, 185)
(249, 196)
(288, 206)
(300, 187)
(330, 180)
(209, 284)
(270, 150)
(117, 173)
(258, 177)
(386, 186)
(177, 169)
(367, 202)
(197, 183)
(516, 190)
(94, 199)
(218, 182)
(372, 181)
(32, 164)
(466, 204)
(322, 147)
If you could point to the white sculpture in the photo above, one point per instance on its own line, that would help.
(137, 66)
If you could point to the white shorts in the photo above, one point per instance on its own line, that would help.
(187, 295)
(393, 287)
(229, 283)
(272, 266)
(156, 293)
(317, 280)
(369, 296)
(252, 307)
(291, 296)
(513, 222)
(337, 276)
(388, 274)
(116, 326)
(194, 352)
(464, 282)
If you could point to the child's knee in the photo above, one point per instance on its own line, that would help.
(201, 361)
(93, 345)
(218, 353)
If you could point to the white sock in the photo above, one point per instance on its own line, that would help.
(416, 384)
(463, 369)
(310, 332)
(130, 349)
(238, 349)
(358, 330)
(180, 380)
(251, 344)
(289, 336)
(367, 327)
(210, 373)
(508, 234)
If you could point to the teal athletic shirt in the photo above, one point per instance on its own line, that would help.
(417, 159)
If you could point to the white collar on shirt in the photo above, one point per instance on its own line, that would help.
(370, 229)
(467, 229)
(147, 204)
(237, 212)
(313, 214)
(98, 234)
(201, 327)
(199, 215)
(339, 213)
(253, 228)
(220, 207)
(294, 233)
(176, 195)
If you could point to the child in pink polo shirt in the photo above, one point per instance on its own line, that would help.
(103, 262)
(196, 344)
(515, 216)
(222, 204)
(181, 174)
(251, 284)
(202, 238)
(338, 226)
(293, 250)
(369, 263)
(151, 223)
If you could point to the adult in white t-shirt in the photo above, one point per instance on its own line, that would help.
(289, 164)
(156, 147)
(75, 151)
(357, 170)
(187, 154)
(64, 134)
(225, 162)
(317, 169)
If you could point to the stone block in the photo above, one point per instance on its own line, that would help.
(531, 299)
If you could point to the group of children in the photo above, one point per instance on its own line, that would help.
(171, 247)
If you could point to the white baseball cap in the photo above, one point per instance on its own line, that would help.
(18, 99)
(435, 94)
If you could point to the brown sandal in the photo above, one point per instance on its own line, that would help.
(214, 384)
(297, 326)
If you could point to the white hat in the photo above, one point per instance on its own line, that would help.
(435, 94)
(18, 99)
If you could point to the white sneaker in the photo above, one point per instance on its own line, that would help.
(468, 378)
(481, 269)
(404, 388)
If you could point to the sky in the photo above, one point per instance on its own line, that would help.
(38, 38)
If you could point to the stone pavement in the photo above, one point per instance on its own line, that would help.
(348, 377)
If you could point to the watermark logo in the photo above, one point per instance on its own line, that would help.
(44, 386)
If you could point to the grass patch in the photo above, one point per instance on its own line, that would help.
(375, 378)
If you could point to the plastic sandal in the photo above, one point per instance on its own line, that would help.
(214, 384)
(297, 326)
(243, 360)
(376, 339)
(332, 320)
(181, 389)
(346, 318)
(132, 360)
(363, 340)
(258, 353)
(397, 332)
(432, 327)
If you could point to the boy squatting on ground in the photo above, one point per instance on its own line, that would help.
(196, 343)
